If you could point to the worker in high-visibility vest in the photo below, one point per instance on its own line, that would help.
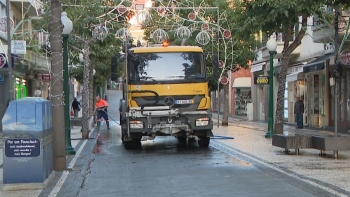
(101, 109)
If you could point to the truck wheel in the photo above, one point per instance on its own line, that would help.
(122, 136)
(137, 142)
(204, 141)
(182, 141)
(128, 145)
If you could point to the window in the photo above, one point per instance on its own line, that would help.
(155, 67)
(286, 102)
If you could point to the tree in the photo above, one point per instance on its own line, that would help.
(279, 18)
(55, 29)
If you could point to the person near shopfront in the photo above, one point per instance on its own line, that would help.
(299, 111)
(101, 109)
(75, 107)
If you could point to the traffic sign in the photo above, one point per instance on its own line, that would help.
(221, 63)
(345, 57)
(2, 60)
(1, 79)
(224, 80)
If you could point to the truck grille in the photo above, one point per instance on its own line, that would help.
(189, 102)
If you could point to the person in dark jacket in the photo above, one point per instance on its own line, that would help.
(76, 107)
(299, 111)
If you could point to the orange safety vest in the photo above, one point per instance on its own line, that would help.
(101, 103)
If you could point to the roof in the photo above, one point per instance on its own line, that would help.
(167, 49)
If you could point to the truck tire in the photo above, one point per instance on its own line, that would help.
(203, 141)
(132, 144)
(182, 141)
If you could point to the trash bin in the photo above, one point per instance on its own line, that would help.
(28, 154)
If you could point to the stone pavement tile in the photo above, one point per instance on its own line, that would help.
(22, 193)
(253, 144)
(75, 139)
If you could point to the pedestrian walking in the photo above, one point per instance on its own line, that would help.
(75, 107)
(101, 109)
(299, 111)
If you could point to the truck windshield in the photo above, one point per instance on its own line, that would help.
(158, 67)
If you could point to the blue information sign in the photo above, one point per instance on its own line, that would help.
(1, 78)
(29, 147)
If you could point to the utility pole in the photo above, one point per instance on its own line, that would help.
(9, 43)
(337, 69)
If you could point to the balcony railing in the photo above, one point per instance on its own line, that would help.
(38, 61)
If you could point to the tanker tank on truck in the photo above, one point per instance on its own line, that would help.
(165, 93)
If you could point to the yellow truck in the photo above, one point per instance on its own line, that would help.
(165, 93)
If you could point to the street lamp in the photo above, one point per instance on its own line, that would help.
(271, 45)
(67, 29)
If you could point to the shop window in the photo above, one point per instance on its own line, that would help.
(342, 95)
(286, 102)
(348, 96)
(242, 98)
(316, 99)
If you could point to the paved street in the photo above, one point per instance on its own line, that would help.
(239, 162)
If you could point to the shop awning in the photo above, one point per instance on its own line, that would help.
(242, 82)
(257, 67)
(292, 77)
(317, 64)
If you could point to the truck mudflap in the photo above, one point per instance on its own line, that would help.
(210, 133)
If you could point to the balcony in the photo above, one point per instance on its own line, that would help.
(38, 62)
(323, 33)
(30, 8)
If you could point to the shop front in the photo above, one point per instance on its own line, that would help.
(258, 93)
(316, 96)
(343, 103)
(40, 81)
(242, 95)
(295, 87)
(21, 89)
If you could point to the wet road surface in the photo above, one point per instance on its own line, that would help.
(163, 168)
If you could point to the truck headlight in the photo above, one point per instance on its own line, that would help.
(136, 124)
(202, 122)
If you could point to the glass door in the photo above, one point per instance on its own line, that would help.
(286, 111)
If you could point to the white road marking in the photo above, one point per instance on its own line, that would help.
(225, 148)
(65, 174)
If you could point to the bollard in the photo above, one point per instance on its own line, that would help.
(28, 154)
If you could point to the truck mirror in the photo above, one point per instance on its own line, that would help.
(215, 63)
(126, 46)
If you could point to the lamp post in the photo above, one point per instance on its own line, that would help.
(271, 45)
(67, 29)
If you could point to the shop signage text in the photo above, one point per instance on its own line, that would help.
(261, 80)
(19, 47)
(22, 147)
(44, 77)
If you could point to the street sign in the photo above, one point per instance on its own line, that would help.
(345, 57)
(261, 80)
(2, 60)
(19, 47)
(224, 80)
(221, 63)
(1, 79)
